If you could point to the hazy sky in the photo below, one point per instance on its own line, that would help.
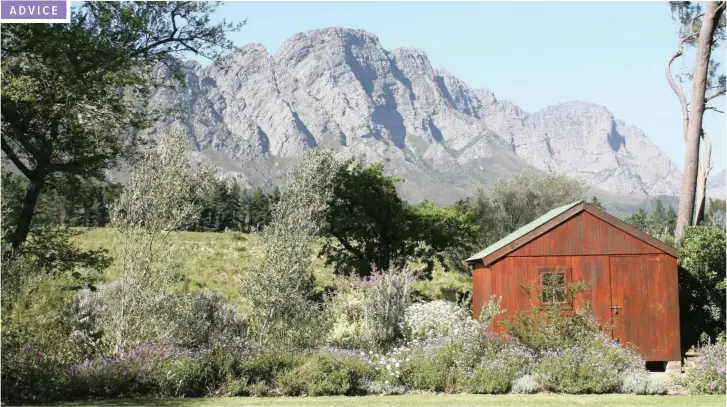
(534, 54)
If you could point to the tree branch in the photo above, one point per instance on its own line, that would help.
(714, 95)
(713, 108)
(15, 159)
(677, 90)
(76, 164)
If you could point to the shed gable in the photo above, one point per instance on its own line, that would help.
(585, 235)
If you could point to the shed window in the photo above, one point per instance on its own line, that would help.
(552, 287)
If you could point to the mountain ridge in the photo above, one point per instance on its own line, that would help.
(339, 88)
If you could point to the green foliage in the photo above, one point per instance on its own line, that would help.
(369, 313)
(641, 382)
(84, 124)
(660, 224)
(511, 205)
(597, 203)
(326, 375)
(554, 327)
(716, 213)
(708, 375)
(431, 370)
(368, 226)
(281, 290)
(701, 274)
(596, 365)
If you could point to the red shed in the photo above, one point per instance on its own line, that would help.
(633, 276)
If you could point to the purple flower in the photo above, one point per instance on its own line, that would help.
(124, 372)
(713, 385)
(721, 370)
(42, 354)
(87, 363)
(27, 348)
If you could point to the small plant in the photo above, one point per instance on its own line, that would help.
(640, 382)
(526, 385)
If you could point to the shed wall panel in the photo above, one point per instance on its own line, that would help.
(584, 234)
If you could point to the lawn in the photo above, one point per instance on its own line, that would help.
(217, 261)
(541, 400)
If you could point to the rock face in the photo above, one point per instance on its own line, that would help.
(253, 114)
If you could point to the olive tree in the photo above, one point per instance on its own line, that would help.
(160, 198)
(281, 290)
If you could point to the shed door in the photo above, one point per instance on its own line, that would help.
(636, 308)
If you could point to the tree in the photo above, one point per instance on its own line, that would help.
(701, 282)
(716, 213)
(281, 289)
(597, 203)
(73, 94)
(528, 195)
(369, 226)
(367, 223)
(703, 30)
(161, 197)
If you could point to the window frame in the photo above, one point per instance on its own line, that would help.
(565, 272)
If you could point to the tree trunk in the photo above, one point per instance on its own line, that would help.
(22, 228)
(704, 170)
(699, 84)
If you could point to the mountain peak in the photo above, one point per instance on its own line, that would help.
(339, 88)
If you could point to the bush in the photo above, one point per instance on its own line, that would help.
(208, 320)
(495, 373)
(708, 376)
(641, 382)
(369, 313)
(426, 320)
(594, 366)
(31, 376)
(526, 385)
(551, 330)
(432, 370)
(259, 374)
(326, 375)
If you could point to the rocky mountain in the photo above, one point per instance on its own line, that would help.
(254, 114)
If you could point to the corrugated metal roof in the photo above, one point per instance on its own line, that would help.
(522, 231)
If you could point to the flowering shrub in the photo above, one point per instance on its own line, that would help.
(708, 376)
(388, 366)
(426, 320)
(369, 313)
(495, 372)
(594, 366)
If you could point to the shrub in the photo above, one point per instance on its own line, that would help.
(260, 372)
(431, 369)
(426, 320)
(208, 320)
(641, 382)
(31, 376)
(495, 373)
(553, 329)
(594, 366)
(708, 376)
(325, 375)
(369, 313)
(526, 385)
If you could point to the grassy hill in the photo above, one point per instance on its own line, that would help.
(218, 261)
